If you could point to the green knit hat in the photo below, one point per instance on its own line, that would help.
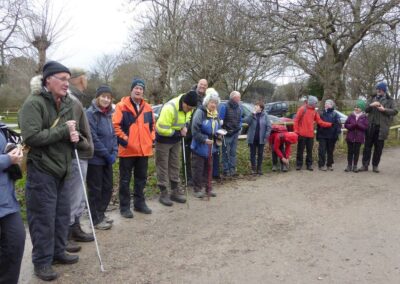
(360, 104)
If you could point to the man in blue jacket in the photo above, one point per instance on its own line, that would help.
(231, 116)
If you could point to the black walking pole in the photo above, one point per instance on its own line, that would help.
(185, 170)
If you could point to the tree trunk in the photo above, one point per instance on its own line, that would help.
(331, 72)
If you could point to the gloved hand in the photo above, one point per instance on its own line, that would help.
(111, 159)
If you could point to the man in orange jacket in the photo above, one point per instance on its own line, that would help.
(134, 124)
(304, 126)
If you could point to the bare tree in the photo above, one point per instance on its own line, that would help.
(391, 64)
(11, 14)
(43, 28)
(105, 66)
(319, 35)
(160, 37)
(365, 68)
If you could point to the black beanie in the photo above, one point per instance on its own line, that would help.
(191, 98)
(103, 89)
(53, 67)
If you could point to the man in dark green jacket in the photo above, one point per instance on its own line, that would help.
(380, 111)
(48, 129)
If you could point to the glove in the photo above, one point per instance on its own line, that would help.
(111, 159)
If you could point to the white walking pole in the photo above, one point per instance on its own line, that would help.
(90, 215)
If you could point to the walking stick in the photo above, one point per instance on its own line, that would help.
(87, 204)
(185, 170)
(209, 172)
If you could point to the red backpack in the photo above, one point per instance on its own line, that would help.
(278, 128)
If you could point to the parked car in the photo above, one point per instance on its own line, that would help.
(342, 116)
(277, 108)
(156, 110)
(247, 109)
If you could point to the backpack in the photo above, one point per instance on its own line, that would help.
(13, 139)
(11, 135)
(278, 128)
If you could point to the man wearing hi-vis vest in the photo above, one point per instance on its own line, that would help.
(133, 122)
(170, 128)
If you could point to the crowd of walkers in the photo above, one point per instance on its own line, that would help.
(69, 146)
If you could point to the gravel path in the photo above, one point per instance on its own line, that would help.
(299, 227)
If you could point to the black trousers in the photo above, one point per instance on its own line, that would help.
(275, 156)
(326, 148)
(307, 143)
(99, 181)
(372, 140)
(48, 212)
(200, 172)
(12, 242)
(353, 152)
(256, 154)
(139, 166)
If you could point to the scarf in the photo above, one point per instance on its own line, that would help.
(358, 115)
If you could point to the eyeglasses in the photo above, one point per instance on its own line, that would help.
(63, 79)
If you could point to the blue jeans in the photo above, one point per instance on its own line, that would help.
(216, 163)
(229, 153)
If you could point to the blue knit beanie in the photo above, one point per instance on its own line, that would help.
(137, 82)
(382, 86)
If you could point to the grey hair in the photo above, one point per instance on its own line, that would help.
(234, 94)
(211, 95)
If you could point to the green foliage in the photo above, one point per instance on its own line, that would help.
(315, 87)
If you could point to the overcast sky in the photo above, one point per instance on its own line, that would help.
(96, 27)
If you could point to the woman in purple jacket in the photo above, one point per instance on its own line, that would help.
(356, 124)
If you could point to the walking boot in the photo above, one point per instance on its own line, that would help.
(253, 170)
(164, 197)
(348, 168)
(71, 245)
(177, 194)
(125, 213)
(355, 169)
(141, 207)
(375, 169)
(211, 193)
(198, 194)
(79, 235)
(363, 168)
(45, 273)
(65, 258)
(103, 225)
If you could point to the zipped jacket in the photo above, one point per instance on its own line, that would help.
(304, 121)
(134, 128)
(171, 120)
(103, 135)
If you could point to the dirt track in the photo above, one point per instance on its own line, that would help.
(299, 227)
